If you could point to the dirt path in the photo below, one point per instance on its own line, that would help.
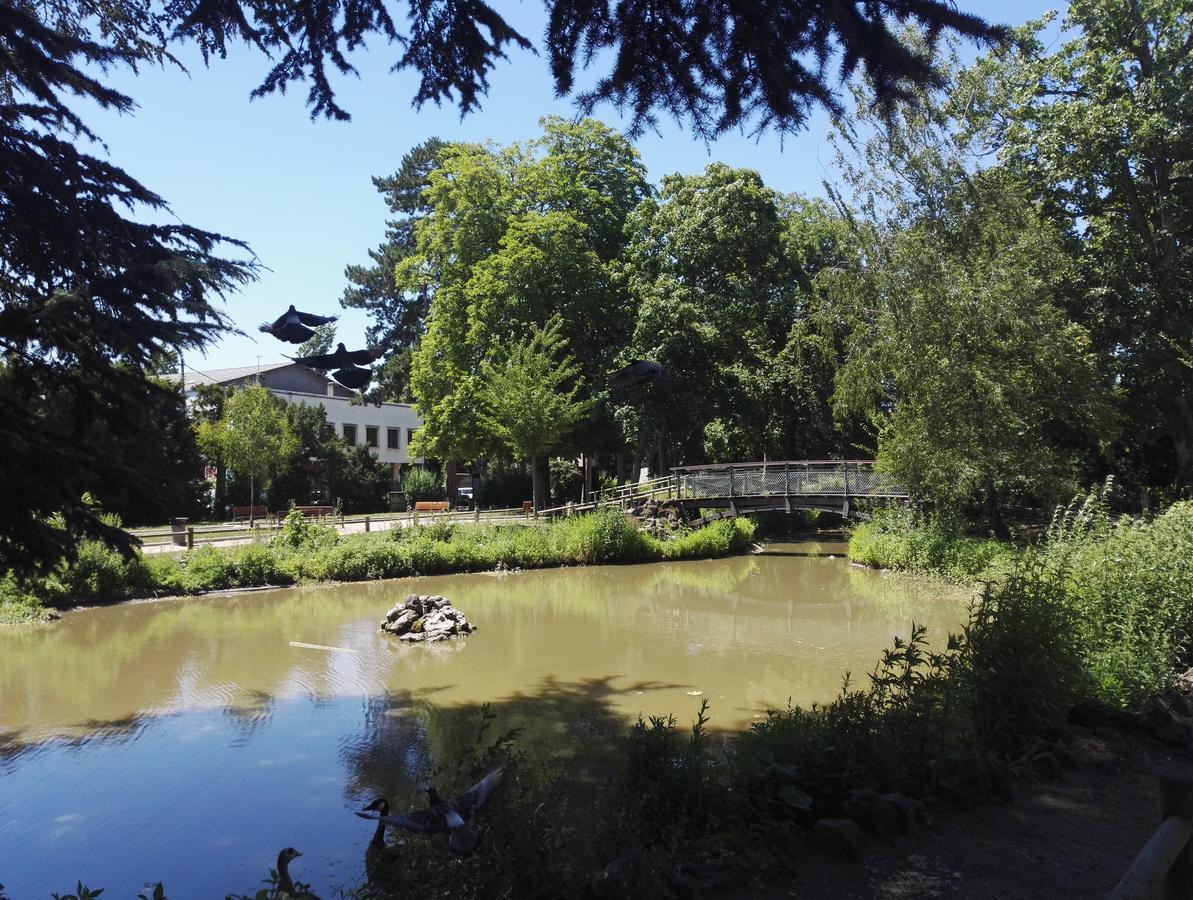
(1069, 838)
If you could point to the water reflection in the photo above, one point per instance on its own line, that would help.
(188, 741)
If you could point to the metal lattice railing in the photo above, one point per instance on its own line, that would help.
(788, 479)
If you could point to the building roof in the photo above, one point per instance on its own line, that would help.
(226, 376)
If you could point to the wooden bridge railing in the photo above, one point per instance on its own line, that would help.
(802, 478)
(1164, 867)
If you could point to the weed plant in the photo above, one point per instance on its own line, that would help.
(900, 538)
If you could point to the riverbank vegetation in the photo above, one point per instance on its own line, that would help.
(304, 552)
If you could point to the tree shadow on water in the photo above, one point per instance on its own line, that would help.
(404, 739)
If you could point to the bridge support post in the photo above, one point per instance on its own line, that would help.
(845, 509)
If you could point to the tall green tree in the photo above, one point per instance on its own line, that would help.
(399, 316)
(721, 268)
(978, 384)
(1100, 130)
(252, 437)
(516, 237)
(530, 399)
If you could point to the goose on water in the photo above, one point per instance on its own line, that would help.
(443, 815)
(286, 886)
(291, 326)
(379, 857)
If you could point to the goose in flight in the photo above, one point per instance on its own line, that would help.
(443, 815)
(639, 371)
(291, 326)
(343, 358)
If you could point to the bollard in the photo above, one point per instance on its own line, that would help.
(476, 513)
(366, 524)
(190, 537)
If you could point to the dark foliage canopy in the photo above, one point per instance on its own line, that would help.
(90, 298)
(712, 64)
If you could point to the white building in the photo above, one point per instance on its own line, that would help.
(386, 429)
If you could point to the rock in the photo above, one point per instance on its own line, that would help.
(1179, 703)
(964, 781)
(424, 618)
(1045, 765)
(630, 875)
(1094, 714)
(1161, 722)
(840, 837)
(872, 811)
(910, 811)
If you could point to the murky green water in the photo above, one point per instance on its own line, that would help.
(188, 741)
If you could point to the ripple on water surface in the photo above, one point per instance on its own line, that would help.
(188, 741)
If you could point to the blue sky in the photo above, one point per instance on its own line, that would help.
(299, 192)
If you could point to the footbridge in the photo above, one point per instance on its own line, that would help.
(705, 493)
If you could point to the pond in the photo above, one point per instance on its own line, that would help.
(187, 741)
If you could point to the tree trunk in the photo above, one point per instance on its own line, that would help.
(221, 491)
(252, 499)
(619, 466)
(994, 512)
(449, 481)
(536, 488)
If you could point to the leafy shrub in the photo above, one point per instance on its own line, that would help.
(605, 535)
(421, 484)
(206, 569)
(717, 539)
(18, 604)
(896, 538)
(298, 531)
(255, 565)
(565, 480)
(1129, 584)
(97, 573)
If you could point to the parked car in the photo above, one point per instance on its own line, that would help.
(465, 499)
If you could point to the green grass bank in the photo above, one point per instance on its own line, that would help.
(302, 552)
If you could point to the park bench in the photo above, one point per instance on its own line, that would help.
(312, 512)
(431, 506)
(249, 512)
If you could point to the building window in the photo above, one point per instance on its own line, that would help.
(392, 436)
(371, 435)
(410, 435)
(350, 435)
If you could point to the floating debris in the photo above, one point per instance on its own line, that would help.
(322, 647)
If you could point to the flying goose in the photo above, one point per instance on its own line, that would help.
(343, 358)
(443, 815)
(291, 326)
(638, 371)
